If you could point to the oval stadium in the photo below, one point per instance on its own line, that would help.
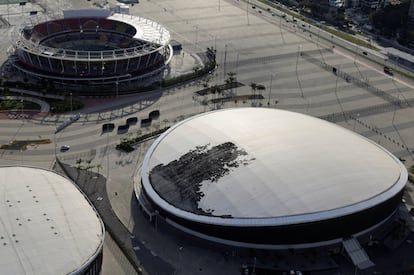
(91, 51)
(47, 225)
(269, 179)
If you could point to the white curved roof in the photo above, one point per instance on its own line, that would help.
(301, 169)
(46, 224)
(146, 29)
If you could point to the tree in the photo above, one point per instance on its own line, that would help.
(260, 88)
(253, 86)
(231, 80)
(98, 167)
(88, 164)
(78, 163)
(391, 18)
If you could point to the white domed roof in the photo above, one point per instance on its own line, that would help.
(260, 166)
(47, 226)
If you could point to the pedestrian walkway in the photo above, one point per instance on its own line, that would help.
(94, 187)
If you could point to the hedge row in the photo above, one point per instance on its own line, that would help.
(126, 144)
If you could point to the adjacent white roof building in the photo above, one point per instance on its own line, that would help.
(47, 226)
(258, 167)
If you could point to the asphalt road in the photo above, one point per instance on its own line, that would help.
(260, 48)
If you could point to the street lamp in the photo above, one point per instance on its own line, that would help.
(297, 58)
(247, 12)
(156, 219)
(179, 257)
(355, 121)
(71, 102)
(54, 142)
(21, 103)
(270, 89)
(254, 267)
(196, 37)
(8, 13)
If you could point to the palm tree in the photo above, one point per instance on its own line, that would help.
(98, 167)
(260, 88)
(253, 86)
(231, 80)
(78, 163)
(218, 90)
(88, 164)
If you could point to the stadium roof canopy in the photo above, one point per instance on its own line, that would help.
(47, 226)
(283, 168)
(146, 29)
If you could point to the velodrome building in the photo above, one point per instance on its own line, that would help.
(269, 179)
(91, 51)
(47, 225)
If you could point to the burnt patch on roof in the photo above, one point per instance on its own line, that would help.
(179, 182)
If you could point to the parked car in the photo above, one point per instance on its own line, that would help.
(64, 148)
(388, 71)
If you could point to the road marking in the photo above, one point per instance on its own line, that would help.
(153, 253)
(136, 248)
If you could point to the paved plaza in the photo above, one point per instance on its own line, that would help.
(293, 63)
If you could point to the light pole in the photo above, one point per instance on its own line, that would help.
(196, 36)
(355, 121)
(70, 102)
(8, 13)
(156, 219)
(270, 89)
(225, 60)
(297, 58)
(21, 103)
(237, 63)
(179, 257)
(247, 12)
(54, 142)
(254, 267)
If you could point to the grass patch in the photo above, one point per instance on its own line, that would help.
(22, 144)
(349, 38)
(15, 104)
(126, 143)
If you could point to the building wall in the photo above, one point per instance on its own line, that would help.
(296, 234)
(370, 4)
(336, 3)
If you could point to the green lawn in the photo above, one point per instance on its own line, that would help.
(4, 2)
(15, 104)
